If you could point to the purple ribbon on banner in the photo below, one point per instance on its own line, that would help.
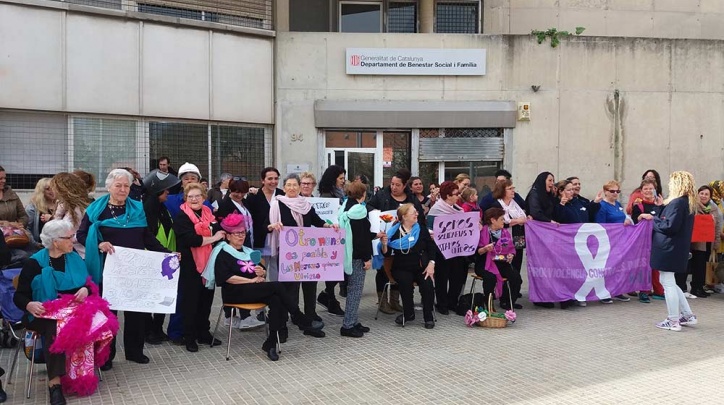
(587, 261)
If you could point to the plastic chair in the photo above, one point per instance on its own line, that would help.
(249, 307)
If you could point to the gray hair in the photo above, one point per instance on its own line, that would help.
(226, 176)
(115, 174)
(53, 230)
(292, 176)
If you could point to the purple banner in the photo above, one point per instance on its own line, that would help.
(587, 261)
(457, 234)
(311, 254)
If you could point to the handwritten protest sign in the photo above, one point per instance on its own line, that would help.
(141, 281)
(311, 254)
(326, 208)
(382, 220)
(457, 234)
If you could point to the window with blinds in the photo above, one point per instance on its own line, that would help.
(461, 144)
(457, 17)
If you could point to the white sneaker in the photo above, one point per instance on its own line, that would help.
(250, 322)
(235, 323)
(688, 320)
(719, 288)
(669, 324)
(582, 303)
(690, 296)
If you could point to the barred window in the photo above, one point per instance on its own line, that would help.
(402, 17)
(457, 17)
(32, 146)
(237, 150)
(180, 142)
(101, 145)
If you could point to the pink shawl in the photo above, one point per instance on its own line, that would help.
(498, 249)
(299, 207)
(202, 227)
(85, 332)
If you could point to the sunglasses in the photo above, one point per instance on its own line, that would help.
(614, 191)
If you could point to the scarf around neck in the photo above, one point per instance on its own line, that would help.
(134, 217)
(357, 211)
(512, 210)
(442, 208)
(202, 226)
(406, 242)
(299, 206)
(49, 282)
(245, 254)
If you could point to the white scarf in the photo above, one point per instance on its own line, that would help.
(512, 211)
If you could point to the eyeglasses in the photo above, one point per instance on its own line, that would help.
(614, 191)
(194, 197)
(65, 237)
(242, 178)
(307, 183)
(243, 233)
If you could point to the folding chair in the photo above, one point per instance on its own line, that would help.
(249, 307)
(476, 278)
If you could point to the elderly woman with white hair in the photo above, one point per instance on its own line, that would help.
(116, 220)
(52, 273)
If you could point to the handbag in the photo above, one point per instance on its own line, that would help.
(519, 242)
(15, 238)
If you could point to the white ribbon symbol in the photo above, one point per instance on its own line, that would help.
(594, 265)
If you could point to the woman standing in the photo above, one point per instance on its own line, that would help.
(11, 208)
(331, 185)
(452, 271)
(566, 212)
(41, 207)
(541, 198)
(649, 203)
(241, 285)
(159, 220)
(292, 209)
(413, 252)
(494, 258)
(196, 230)
(418, 190)
(115, 220)
(309, 288)
(670, 247)
(73, 200)
(701, 251)
(652, 175)
(514, 218)
(353, 218)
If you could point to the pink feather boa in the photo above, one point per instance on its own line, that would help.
(77, 341)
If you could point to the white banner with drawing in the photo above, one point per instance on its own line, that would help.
(141, 281)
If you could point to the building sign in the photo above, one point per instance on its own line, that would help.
(428, 62)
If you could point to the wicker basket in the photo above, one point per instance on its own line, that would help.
(493, 322)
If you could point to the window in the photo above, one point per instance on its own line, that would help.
(360, 17)
(402, 17)
(395, 154)
(237, 150)
(34, 145)
(170, 11)
(457, 17)
(181, 142)
(100, 145)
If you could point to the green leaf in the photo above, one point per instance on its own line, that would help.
(579, 30)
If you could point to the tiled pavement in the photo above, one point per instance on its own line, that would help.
(601, 354)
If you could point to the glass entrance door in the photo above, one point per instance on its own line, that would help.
(355, 160)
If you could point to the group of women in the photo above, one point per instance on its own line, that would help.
(236, 239)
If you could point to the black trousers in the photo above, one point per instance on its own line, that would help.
(271, 293)
(134, 332)
(507, 271)
(518, 260)
(698, 268)
(195, 305)
(48, 328)
(450, 277)
(155, 323)
(405, 279)
(309, 293)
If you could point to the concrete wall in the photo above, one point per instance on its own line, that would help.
(667, 115)
(695, 19)
(57, 60)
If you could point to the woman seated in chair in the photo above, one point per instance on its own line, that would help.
(54, 284)
(243, 281)
(494, 257)
(412, 250)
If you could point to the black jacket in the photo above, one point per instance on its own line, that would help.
(672, 237)
(384, 201)
(258, 206)
(309, 219)
(361, 235)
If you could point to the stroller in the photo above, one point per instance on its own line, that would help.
(11, 315)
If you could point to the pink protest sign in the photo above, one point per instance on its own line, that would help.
(311, 254)
(457, 234)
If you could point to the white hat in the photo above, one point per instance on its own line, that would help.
(188, 168)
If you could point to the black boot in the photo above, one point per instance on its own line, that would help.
(56, 395)
(270, 346)
(3, 394)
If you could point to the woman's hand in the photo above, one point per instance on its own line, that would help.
(106, 247)
(381, 235)
(219, 235)
(627, 222)
(46, 217)
(81, 294)
(599, 197)
(35, 308)
(260, 272)
(383, 238)
(564, 199)
(485, 249)
(659, 200)
(509, 257)
(333, 226)
(647, 217)
(253, 190)
(518, 221)
(368, 265)
(429, 271)
(275, 227)
(259, 279)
